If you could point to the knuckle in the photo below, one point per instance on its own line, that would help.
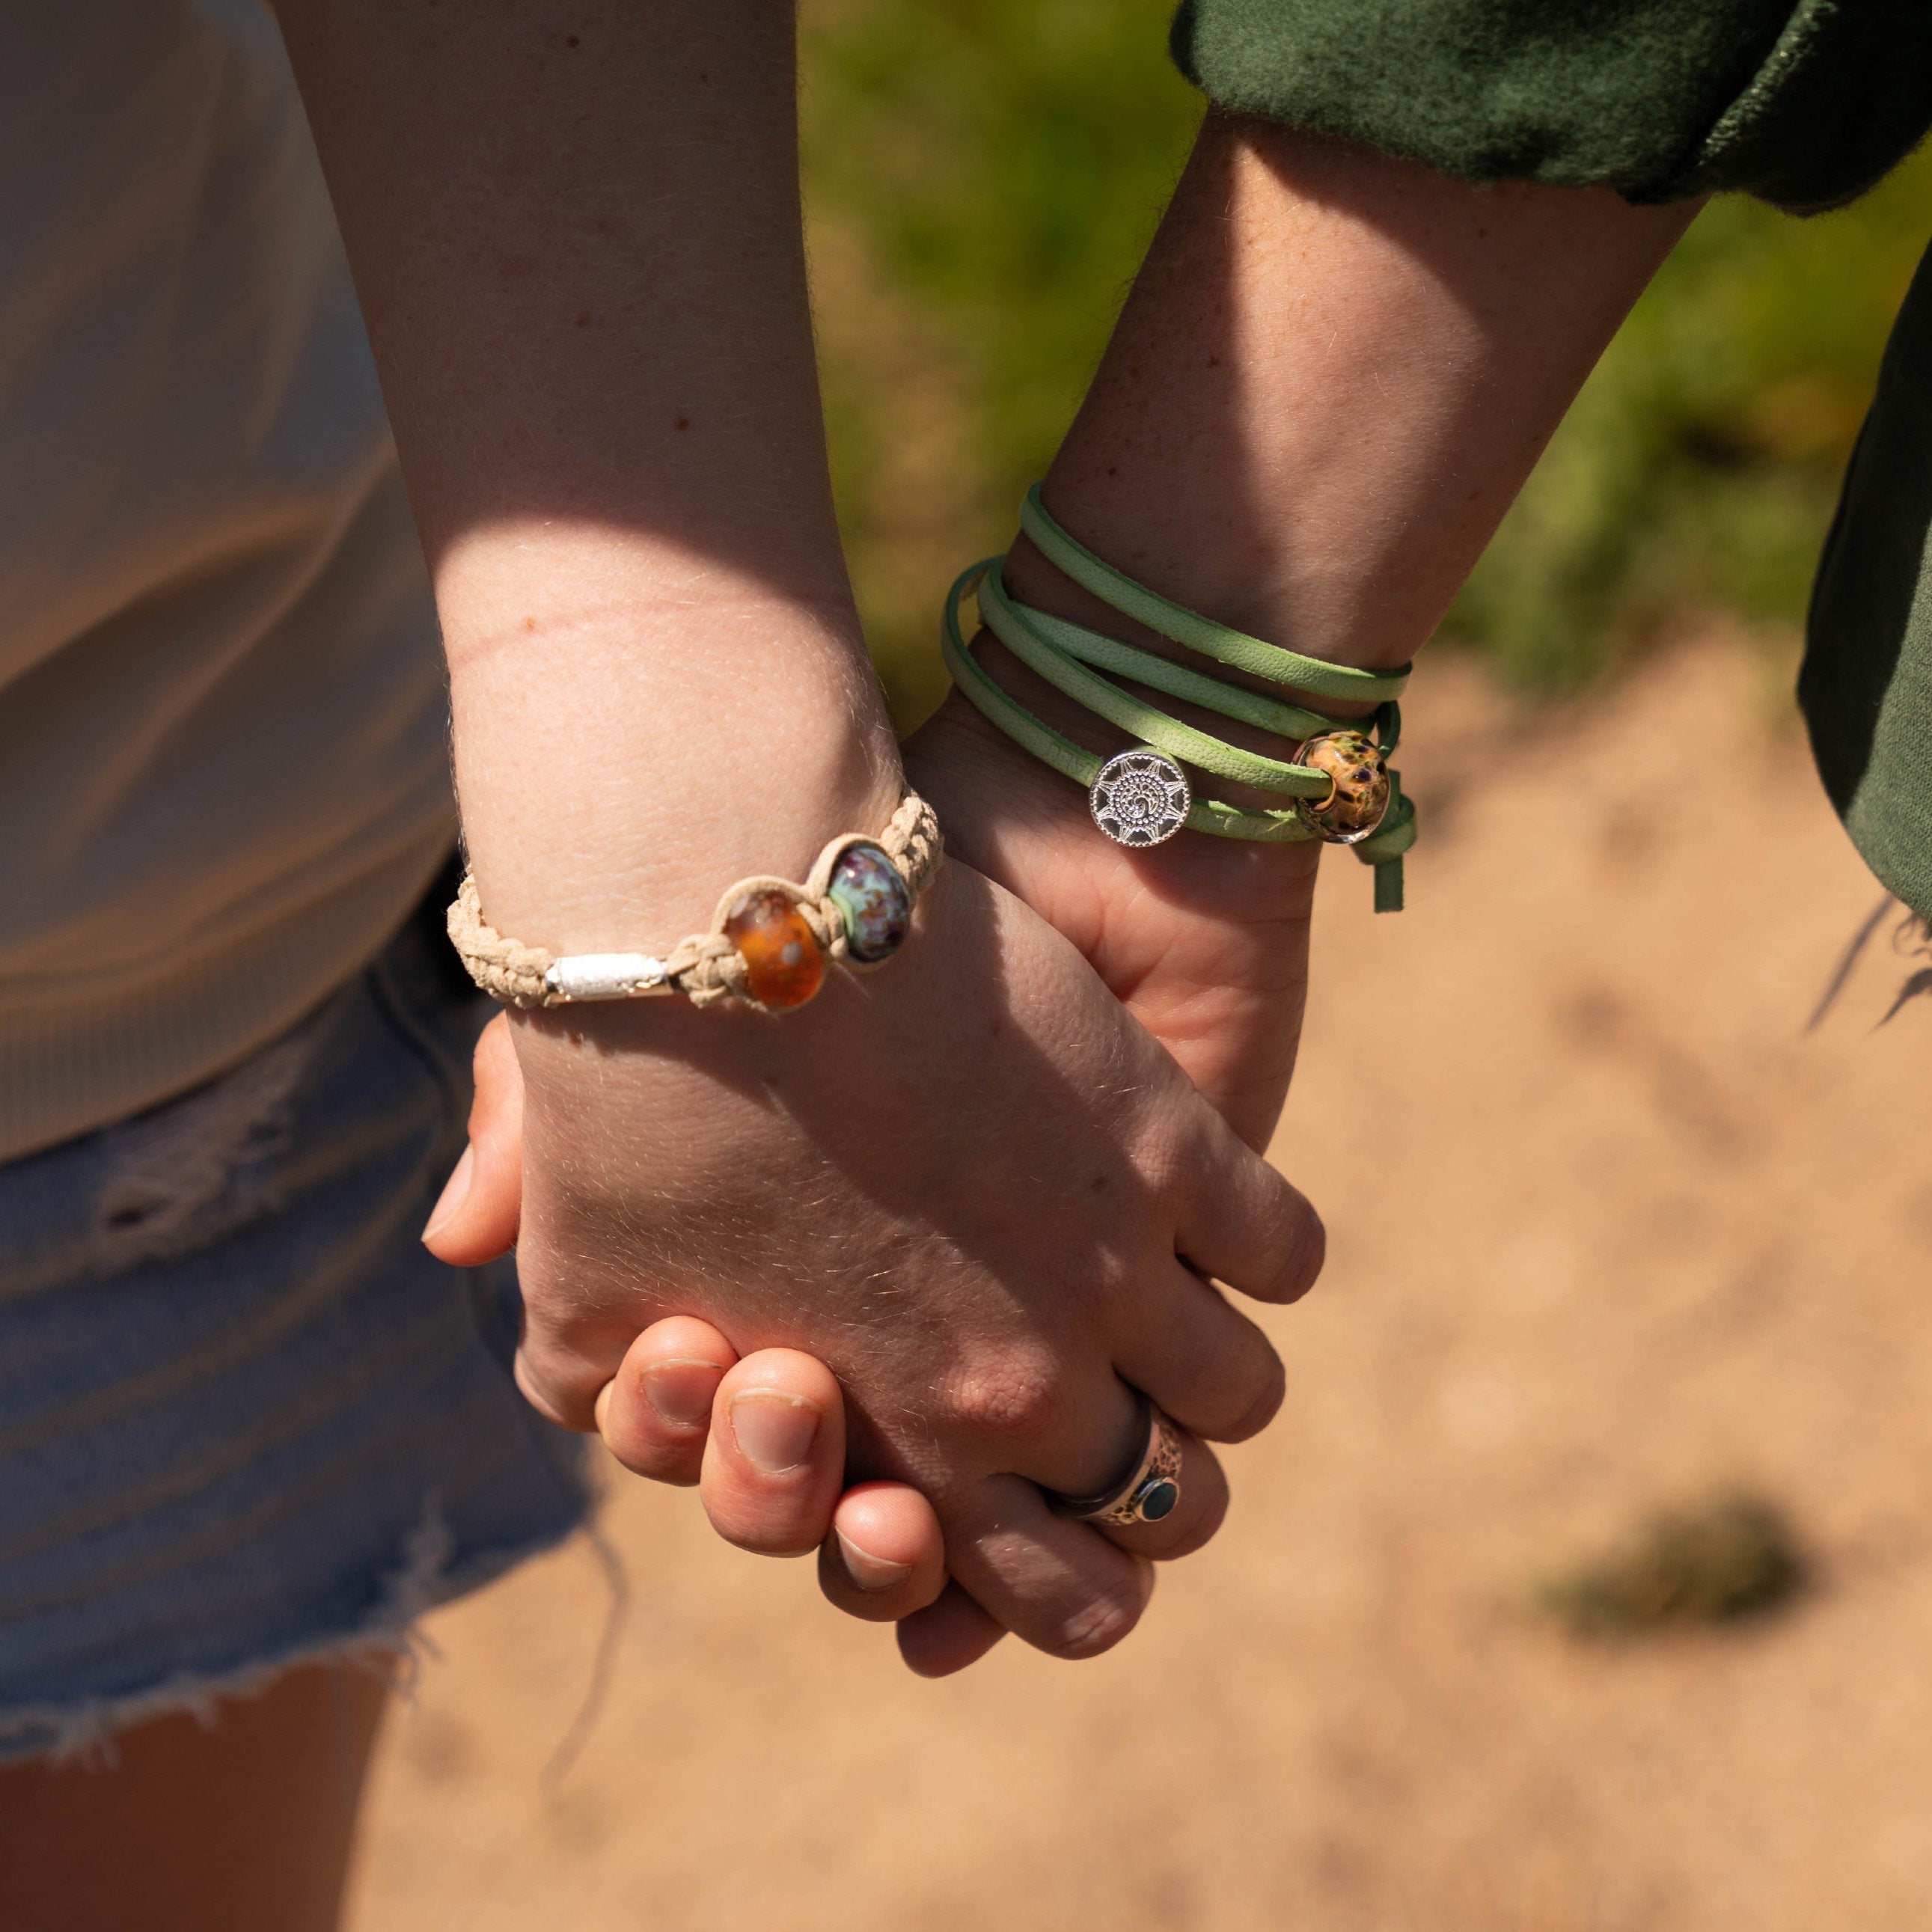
(656, 1461)
(1106, 1280)
(561, 1369)
(1258, 1403)
(871, 1607)
(1299, 1245)
(1094, 1628)
(1207, 1510)
(1012, 1399)
(764, 1536)
(1165, 1158)
(551, 1400)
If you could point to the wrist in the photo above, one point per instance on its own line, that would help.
(1210, 561)
(1009, 816)
(618, 768)
(1027, 666)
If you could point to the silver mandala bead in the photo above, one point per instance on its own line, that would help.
(1140, 798)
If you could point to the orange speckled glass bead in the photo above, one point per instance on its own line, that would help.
(1358, 799)
(784, 966)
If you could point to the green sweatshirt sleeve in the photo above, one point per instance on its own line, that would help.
(1804, 105)
(1866, 686)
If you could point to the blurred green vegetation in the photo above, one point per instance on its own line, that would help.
(1729, 1559)
(1697, 471)
(982, 176)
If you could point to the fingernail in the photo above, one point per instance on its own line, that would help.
(868, 1571)
(774, 1430)
(680, 1391)
(455, 1191)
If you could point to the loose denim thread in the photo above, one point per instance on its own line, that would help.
(387, 1644)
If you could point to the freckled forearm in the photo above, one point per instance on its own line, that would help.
(1333, 376)
(575, 232)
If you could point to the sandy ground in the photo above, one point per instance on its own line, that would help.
(1609, 1229)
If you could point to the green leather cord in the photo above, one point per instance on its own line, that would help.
(1056, 634)
(1075, 761)
(1180, 625)
(1071, 657)
(1015, 626)
(1292, 721)
(1058, 651)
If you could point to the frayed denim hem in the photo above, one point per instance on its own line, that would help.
(386, 1642)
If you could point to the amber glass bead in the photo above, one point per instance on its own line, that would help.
(784, 966)
(1360, 800)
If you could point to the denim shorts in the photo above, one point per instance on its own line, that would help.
(247, 1419)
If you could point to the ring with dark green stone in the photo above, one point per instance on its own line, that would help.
(1157, 1499)
(1151, 1490)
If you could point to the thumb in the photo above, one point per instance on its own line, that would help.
(477, 1218)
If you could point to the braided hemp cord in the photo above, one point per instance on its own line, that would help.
(706, 967)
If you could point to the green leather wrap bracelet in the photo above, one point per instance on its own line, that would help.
(1344, 795)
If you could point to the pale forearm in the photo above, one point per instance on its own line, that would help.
(575, 232)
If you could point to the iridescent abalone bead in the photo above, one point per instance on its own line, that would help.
(866, 887)
(1360, 798)
(783, 965)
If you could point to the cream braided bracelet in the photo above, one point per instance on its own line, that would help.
(769, 941)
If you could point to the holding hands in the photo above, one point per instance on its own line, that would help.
(973, 1188)
(944, 1234)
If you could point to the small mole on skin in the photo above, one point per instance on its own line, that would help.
(584, 320)
(570, 40)
(1099, 1184)
(683, 422)
(529, 623)
(1214, 361)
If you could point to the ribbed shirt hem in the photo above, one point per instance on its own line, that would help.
(69, 1065)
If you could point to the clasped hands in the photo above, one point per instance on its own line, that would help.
(877, 1274)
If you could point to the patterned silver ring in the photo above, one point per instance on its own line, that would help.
(1151, 1489)
(1140, 797)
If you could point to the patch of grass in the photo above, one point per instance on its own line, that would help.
(1730, 1560)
